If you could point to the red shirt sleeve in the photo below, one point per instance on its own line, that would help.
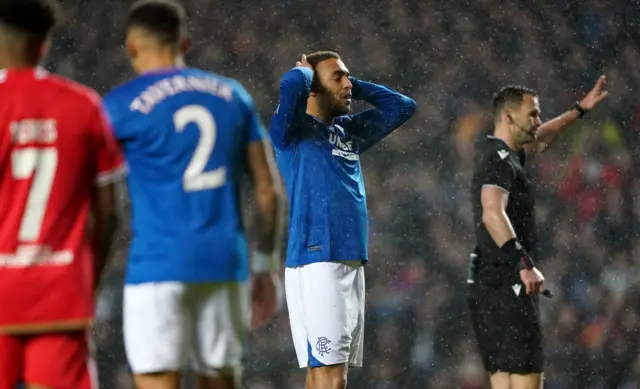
(110, 163)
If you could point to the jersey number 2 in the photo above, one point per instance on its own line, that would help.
(195, 178)
(41, 164)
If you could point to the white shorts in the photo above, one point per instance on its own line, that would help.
(326, 312)
(169, 326)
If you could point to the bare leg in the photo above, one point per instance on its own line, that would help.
(327, 377)
(224, 379)
(527, 381)
(500, 380)
(164, 380)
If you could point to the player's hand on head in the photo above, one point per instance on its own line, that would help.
(303, 62)
(595, 95)
(264, 298)
(533, 280)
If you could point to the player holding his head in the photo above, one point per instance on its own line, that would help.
(504, 281)
(58, 165)
(318, 146)
(189, 137)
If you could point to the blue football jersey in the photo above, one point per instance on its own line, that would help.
(184, 133)
(320, 166)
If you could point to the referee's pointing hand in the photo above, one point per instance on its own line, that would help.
(533, 280)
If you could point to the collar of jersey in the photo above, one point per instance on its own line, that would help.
(35, 71)
(160, 71)
(332, 124)
(322, 121)
(499, 140)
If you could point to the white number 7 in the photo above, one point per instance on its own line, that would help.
(195, 178)
(41, 164)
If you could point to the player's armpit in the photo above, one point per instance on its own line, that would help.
(105, 217)
(494, 216)
(269, 195)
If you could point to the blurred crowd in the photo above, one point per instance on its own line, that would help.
(451, 56)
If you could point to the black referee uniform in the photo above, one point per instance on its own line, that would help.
(506, 321)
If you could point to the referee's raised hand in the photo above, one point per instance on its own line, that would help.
(533, 280)
(595, 95)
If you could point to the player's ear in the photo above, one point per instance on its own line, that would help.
(185, 44)
(507, 115)
(44, 49)
(130, 47)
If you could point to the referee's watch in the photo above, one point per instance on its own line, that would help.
(578, 107)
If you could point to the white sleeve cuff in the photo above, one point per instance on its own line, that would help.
(111, 176)
(494, 186)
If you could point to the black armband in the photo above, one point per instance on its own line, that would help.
(517, 255)
(578, 107)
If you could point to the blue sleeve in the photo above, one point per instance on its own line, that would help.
(254, 128)
(392, 109)
(295, 87)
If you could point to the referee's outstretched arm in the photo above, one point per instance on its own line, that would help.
(549, 131)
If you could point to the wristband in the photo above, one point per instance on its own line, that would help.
(578, 107)
(265, 263)
(517, 255)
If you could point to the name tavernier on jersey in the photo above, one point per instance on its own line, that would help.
(498, 165)
(184, 133)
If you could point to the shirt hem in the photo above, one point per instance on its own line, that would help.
(299, 263)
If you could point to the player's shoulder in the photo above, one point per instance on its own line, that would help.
(118, 101)
(125, 89)
(493, 149)
(238, 90)
(240, 96)
(71, 90)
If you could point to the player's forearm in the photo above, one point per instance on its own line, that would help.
(396, 106)
(499, 226)
(271, 204)
(105, 216)
(106, 226)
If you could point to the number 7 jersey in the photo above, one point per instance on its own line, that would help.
(185, 133)
(55, 148)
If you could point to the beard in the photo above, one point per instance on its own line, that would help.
(341, 109)
(332, 103)
(526, 137)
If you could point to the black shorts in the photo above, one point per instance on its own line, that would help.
(507, 327)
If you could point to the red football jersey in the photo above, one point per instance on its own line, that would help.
(55, 148)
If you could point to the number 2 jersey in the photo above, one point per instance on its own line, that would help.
(55, 148)
(185, 133)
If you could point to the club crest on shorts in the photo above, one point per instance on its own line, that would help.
(322, 345)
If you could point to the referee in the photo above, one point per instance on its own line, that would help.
(503, 281)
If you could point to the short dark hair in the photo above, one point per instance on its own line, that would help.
(314, 59)
(166, 20)
(35, 18)
(512, 96)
